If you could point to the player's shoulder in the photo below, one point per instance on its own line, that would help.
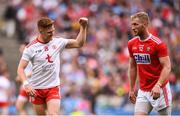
(33, 42)
(156, 40)
(59, 39)
(136, 38)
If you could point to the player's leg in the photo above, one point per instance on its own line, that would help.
(53, 107)
(21, 100)
(142, 105)
(39, 103)
(166, 111)
(142, 108)
(20, 106)
(39, 109)
(53, 101)
(165, 101)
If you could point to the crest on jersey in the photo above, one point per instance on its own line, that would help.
(141, 47)
(142, 58)
(46, 48)
(148, 49)
(54, 46)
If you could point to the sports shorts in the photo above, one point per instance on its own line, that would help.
(23, 95)
(44, 95)
(145, 102)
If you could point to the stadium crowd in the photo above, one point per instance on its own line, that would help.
(94, 78)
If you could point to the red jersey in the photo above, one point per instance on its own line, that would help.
(146, 54)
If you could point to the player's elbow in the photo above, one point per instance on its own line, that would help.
(19, 70)
(168, 68)
(80, 44)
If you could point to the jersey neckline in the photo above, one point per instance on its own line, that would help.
(150, 35)
(41, 41)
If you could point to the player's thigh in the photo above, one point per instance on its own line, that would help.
(142, 105)
(143, 108)
(40, 109)
(53, 106)
(166, 111)
(20, 102)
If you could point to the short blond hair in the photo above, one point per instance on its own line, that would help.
(143, 16)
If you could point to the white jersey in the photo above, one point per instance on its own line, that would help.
(45, 60)
(4, 87)
(28, 69)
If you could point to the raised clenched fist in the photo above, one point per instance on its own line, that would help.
(83, 21)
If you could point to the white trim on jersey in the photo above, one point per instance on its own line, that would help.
(156, 40)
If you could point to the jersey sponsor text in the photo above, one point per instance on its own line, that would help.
(142, 58)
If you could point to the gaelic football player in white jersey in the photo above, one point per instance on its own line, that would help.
(44, 54)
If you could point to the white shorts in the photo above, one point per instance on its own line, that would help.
(145, 102)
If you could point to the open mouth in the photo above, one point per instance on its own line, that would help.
(135, 32)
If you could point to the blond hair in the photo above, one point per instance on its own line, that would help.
(143, 16)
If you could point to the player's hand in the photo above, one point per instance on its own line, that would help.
(83, 21)
(29, 90)
(18, 79)
(132, 97)
(155, 92)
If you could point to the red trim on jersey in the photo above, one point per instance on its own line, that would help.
(42, 42)
(165, 95)
(32, 43)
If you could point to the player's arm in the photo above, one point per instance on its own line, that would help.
(22, 65)
(132, 73)
(165, 62)
(81, 37)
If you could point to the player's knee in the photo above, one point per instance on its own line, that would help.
(165, 111)
(53, 112)
(18, 105)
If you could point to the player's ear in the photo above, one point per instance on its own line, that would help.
(40, 30)
(145, 24)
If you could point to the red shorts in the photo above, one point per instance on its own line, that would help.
(44, 95)
(23, 93)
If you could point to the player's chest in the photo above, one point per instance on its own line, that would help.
(143, 53)
(46, 53)
(144, 48)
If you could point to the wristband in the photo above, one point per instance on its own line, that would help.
(25, 82)
(158, 84)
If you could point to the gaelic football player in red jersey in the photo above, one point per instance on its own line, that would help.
(149, 61)
(44, 54)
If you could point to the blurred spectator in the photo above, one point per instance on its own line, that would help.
(4, 86)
